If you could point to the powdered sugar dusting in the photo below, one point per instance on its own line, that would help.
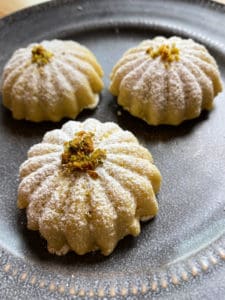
(69, 82)
(147, 86)
(75, 212)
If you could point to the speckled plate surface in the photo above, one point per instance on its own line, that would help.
(181, 253)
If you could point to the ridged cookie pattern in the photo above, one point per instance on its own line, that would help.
(68, 83)
(166, 93)
(77, 212)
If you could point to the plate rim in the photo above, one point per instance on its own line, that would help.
(193, 272)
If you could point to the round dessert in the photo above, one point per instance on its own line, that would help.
(51, 80)
(166, 81)
(88, 185)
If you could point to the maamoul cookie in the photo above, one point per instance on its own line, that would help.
(166, 81)
(88, 185)
(51, 80)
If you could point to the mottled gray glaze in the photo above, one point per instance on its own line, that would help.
(180, 254)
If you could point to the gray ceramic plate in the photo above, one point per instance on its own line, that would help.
(179, 255)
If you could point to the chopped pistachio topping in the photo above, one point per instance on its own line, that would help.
(168, 53)
(79, 154)
(40, 55)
